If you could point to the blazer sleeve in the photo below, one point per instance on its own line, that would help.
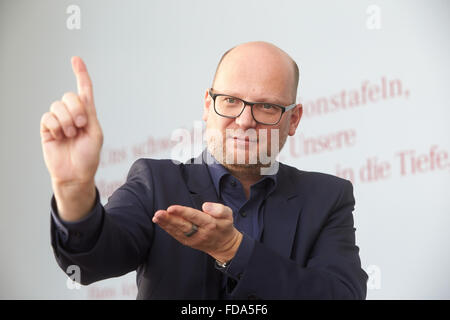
(333, 269)
(122, 238)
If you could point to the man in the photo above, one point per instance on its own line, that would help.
(217, 229)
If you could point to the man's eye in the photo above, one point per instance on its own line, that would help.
(267, 106)
(230, 100)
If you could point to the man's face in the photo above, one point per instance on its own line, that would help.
(255, 73)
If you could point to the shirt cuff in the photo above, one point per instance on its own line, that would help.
(79, 236)
(238, 264)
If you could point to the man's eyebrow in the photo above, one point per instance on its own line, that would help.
(273, 100)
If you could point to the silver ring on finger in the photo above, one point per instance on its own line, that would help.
(193, 230)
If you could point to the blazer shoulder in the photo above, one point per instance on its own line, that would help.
(147, 166)
(321, 187)
(316, 180)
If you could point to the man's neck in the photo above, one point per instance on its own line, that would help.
(247, 176)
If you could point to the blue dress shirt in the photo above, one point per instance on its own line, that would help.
(247, 215)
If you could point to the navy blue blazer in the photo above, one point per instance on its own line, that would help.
(307, 249)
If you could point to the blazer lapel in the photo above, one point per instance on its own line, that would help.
(282, 211)
(199, 183)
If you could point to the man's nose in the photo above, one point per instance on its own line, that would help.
(245, 120)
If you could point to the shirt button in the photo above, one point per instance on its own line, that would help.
(244, 214)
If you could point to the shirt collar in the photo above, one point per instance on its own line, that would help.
(218, 171)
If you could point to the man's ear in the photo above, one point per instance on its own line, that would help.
(296, 115)
(206, 104)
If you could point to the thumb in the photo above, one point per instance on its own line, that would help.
(217, 210)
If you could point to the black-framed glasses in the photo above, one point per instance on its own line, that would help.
(264, 113)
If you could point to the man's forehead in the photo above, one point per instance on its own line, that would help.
(254, 80)
(257, 70)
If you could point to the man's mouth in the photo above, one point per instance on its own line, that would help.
(245, 139)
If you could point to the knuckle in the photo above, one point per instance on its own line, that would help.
(211, 227)
(66, 122)
(193, 215)
(228, 210)
(54, 126)
(69, 96)
(55, 105)
(73, 104)
(60, 113)
(45, 117)
(48, 121)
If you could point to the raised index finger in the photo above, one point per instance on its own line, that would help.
(84, 82)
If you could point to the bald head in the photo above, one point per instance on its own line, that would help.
(267, 62)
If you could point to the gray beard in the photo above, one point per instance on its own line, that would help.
(240, 169)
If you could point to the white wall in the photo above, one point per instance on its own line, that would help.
(151, 62)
